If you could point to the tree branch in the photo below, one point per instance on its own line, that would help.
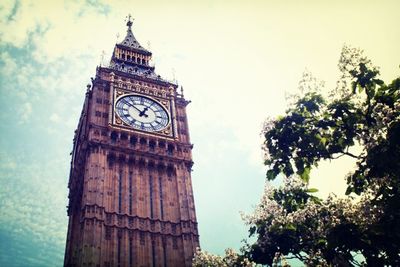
(351, 155)
(346, 154)
(298, 256)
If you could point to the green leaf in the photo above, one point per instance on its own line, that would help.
(271, 175)
(305, 175)
(360, 89)
(312, 190)
(323, 140)
(341, 141)
(291, 227)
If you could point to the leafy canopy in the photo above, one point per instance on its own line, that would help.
(361, 112)
(359, 119)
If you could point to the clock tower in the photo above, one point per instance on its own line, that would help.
(130, 189)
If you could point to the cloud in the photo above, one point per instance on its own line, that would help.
(25, 112)
(54, 117)
(51, 21)
(7, 163)
(9, 65)
(32, 206)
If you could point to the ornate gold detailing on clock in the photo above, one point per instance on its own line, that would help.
(146, 113)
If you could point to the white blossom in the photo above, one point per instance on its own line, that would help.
(327, 214)
(350, 59)
(230, 259)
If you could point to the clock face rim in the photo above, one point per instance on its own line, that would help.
(135, 127)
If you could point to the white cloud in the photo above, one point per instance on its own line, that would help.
(9, 64)
(54, 117)
(33, 199)
(25, 111)
(7, 163)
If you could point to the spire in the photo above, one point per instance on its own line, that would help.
(130, 40)
(130, 57)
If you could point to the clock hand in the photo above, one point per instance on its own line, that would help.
(136, 108)
(143, 113)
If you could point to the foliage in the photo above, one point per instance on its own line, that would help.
(231, 259)
(359, 119)
(363, 113)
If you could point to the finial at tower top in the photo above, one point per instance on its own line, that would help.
(130, 40)
(129, 23)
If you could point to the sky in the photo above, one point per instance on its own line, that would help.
(236, 61)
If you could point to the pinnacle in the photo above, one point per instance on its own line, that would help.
(130, 40)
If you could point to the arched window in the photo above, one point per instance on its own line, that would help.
(124, 136)
(170, 150)
(161, 144)
(152, 145)
(133, 140)
(114, 136)
(143, 141)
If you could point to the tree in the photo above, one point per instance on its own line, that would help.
(359, 119)
(290, 221)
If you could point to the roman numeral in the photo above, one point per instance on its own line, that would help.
(126, 101)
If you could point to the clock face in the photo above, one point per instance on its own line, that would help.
(142, 113)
